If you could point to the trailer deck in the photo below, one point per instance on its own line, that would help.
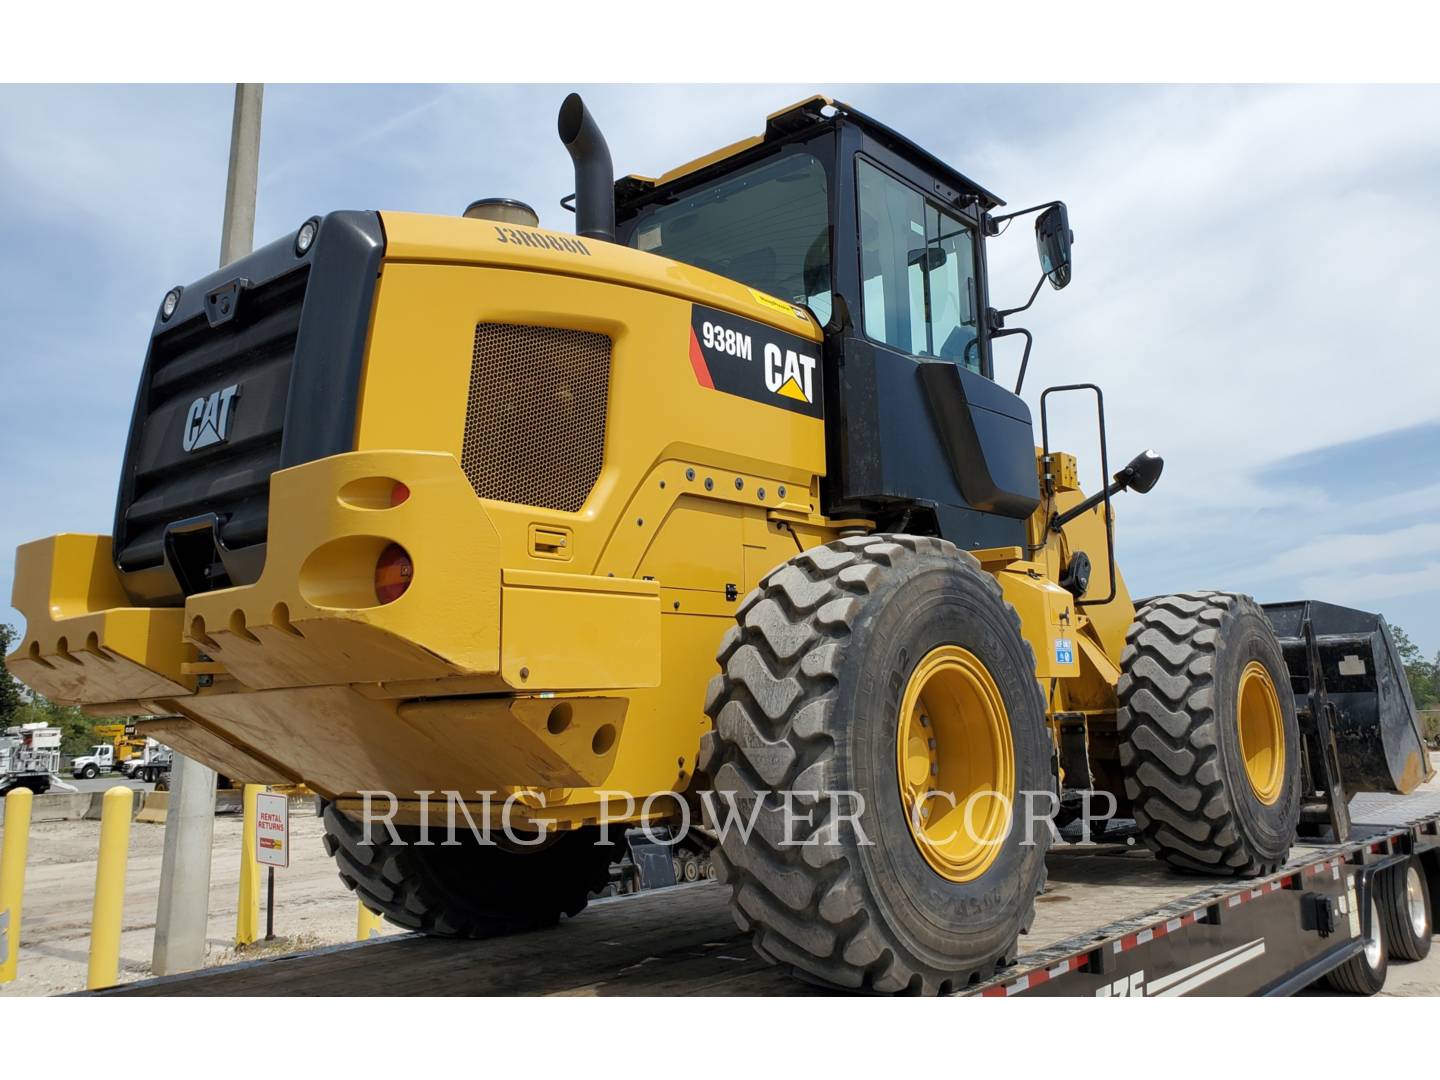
(1112, 921)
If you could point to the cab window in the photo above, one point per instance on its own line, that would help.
(917, 265)
(767, 226)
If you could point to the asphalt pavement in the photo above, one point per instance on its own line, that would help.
(102, 782)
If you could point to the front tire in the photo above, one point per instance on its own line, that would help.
(812, 698)
(1210, 746)
(469, 890)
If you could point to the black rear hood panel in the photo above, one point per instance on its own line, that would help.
(277, 340)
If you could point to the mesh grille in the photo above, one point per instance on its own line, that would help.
(535, 421)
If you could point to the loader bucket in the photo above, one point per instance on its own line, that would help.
(1377, 732)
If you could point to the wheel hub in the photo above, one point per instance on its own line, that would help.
(1372, 940)
(1415, 904)
(955, 763)
(1262, 732)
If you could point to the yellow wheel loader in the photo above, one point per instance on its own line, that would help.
(715, 510)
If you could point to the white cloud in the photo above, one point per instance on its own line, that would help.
(1255, 276)
(1348, 550)
(1364, 590)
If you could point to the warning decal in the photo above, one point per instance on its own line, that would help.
(751, 360)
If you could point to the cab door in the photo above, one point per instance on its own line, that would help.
(924, 422)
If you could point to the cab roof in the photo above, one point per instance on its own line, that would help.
(813, 112)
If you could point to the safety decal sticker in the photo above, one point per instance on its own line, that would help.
(751, 360)
(1064, 650)
(764, 299)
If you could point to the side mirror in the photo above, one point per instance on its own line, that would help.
(1142, 473)
(1053, 239)
(1139, 476)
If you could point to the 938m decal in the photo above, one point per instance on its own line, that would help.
(751, 360)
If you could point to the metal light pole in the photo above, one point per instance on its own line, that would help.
(184, 907)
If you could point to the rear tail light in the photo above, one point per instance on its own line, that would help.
(399, 493)
(393, 573)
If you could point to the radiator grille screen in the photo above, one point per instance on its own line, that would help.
(535, 421)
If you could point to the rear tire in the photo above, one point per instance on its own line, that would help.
(1364, 973)
(809, 702)
(1406, 914)
(1197, 805)
(469, 891)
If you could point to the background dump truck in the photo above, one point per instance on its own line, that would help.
(416, 504)
(151, 765)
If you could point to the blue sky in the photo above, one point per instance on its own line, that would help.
(1255, 282)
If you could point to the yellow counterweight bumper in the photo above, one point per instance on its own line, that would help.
(313, 617)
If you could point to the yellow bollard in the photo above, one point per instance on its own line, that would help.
(247, 918)
(110, 888)
(12, 877)
(367, 924)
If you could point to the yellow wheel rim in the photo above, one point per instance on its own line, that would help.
(1262, 732)
(955, 763)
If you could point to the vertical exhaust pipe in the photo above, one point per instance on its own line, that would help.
(594, 172)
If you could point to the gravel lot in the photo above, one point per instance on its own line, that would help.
(312, 907)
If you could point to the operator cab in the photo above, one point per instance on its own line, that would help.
(884, 244)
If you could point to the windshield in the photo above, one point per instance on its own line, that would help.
(766, 226)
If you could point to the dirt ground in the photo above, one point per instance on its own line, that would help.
(312, 907)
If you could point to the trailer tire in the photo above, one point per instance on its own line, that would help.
(815, 677)
(1406, 911)
(470, 890)
(1190, 663)
(1364, 973)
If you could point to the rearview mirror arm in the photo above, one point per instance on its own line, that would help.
(991, 221)
(997, 318)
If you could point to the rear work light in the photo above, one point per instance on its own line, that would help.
(393, 573)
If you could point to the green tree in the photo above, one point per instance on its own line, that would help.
(12, 694)
(1424, 675)
(78, 730)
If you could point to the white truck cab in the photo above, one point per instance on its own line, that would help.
(100, 759)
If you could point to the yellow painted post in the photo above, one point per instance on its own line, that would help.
(110, 888)
(367, 924)
(12, 878)
(247, 918)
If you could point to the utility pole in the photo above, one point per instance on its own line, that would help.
(237, 234)
(184, 907)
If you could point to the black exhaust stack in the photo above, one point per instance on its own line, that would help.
(594, 172)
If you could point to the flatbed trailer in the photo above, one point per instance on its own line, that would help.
(1182, 935)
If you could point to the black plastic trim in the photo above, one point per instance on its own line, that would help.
(340, 271)
(950, 409)
(334, 327)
